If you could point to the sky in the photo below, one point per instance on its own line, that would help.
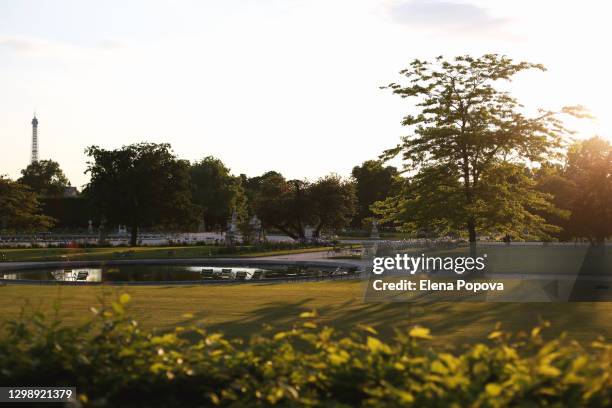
(291, 85)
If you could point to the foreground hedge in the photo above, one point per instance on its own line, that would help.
(115, 363)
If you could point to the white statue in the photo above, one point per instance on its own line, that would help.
(256, 228)
(255, 223)
(308, 233)
(374, 233)
(234, 222)
(232, 228)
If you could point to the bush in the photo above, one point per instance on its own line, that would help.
(113, 363)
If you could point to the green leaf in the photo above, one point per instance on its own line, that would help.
(493, 389)
(377, 346)
(419, 333)
(495, 335)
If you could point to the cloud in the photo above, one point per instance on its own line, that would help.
(21, 44)
(39, 47)
(446, 15)
(108, 44)
(34, 46)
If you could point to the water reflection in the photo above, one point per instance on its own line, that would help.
(82, 275)
(161, 273)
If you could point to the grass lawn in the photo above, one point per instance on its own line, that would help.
(103, 254)
(243, 310)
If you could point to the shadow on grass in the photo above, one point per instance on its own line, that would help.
(450, 323)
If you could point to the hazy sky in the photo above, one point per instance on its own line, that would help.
(288, 85)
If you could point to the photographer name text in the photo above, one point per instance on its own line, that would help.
(429, 285)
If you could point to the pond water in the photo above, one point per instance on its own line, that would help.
(172, 273)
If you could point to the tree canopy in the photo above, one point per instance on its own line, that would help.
(333, 203)
(373, 182)
(281, 204)
(215, 191)
(45, 177)
(19, 208)
(292, 205)
(468, 148)
(589, 169)
(141, 185)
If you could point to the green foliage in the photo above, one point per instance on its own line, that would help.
(551, 179)
(216, 191)
(373, 182)
(465, 131)
(69, 212)
(45, 177)
(280, 203)
(333, 203)
(19, 208)
(290, 205)
(582, 186)
(113, 362)
(589, 169)
(140, 185)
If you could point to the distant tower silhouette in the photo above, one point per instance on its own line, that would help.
(34, 139)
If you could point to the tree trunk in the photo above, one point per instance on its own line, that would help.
(471, 223)
(317, 231)
(134, 235)
(471, 226)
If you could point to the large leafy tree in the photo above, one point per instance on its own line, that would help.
(45, 177)
(281, 204)
(589, 169)
(551, 179)
(19, 208)
(141, 185)
(373, 182)
(333, 203)
(71, 213)
(216, 192)
(468, 145)
(291, 205)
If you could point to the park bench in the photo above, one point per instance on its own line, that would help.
(207, 274)
(226, 273)
(241, 275)
(258, 274)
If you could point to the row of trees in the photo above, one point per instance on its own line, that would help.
(146, 185)
(330, 203)
(474, 164)
(581, 189)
